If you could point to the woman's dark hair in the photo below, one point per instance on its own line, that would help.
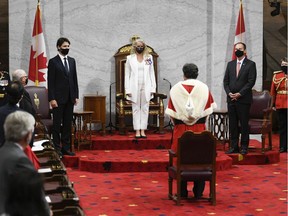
(190, 71)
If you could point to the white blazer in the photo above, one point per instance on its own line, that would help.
(131, 77)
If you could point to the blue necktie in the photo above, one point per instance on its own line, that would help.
(66, 66)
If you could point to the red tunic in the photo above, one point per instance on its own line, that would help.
(180, 129)
(279, 89)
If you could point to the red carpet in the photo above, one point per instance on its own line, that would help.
(118, 153)
(133, 181)
(243, 190)
(129, 161)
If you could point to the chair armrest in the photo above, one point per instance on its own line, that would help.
(267, 113)
(160, 95)
(172, 155)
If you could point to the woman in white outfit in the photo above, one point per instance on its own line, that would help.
(140, 84)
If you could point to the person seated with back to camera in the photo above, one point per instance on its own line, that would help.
(189, 105)
(15, 92)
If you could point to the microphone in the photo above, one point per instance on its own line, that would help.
(170, 85)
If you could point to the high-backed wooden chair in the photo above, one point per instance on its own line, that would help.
(196, 161)
(39, 98)
(123, 106)
(260, 117)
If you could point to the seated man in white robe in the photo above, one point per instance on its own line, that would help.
(189, 105)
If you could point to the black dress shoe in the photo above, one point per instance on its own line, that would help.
(143, 136)
(65, 152)
(232, 151)
(281, 150)
(244, 151)
(138, 137)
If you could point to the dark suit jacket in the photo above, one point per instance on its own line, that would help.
(13, 158)
(26, 103)
(243, 83)
(4, 112)
(61, 87)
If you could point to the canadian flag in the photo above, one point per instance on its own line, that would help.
(38, 59)
(240, 30)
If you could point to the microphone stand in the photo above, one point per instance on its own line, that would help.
(110, 125)
(170, 122)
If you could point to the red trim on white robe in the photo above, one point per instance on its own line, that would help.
(189, 101)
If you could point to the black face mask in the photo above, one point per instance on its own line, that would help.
(139, 49)
(284, 69)
(239, 53)
(26, 81)
(64, 51)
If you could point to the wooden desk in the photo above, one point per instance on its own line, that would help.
(82, 122)
(97, 104)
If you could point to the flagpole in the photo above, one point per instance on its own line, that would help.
(240, 29)
(241, 12)
(36, 45)
(38, 58)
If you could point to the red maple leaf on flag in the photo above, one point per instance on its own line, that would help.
(40, 60)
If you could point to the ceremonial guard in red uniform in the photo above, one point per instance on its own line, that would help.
(279, 91)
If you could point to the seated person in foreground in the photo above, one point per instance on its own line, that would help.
(15, 166)
(14, 95)
(189, 104)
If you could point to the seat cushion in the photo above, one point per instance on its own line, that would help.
(191, 175)
(255, 126)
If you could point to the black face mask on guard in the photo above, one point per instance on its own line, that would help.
(284, 69)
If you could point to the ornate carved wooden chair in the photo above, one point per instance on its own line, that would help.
(196, 160)
(260, 117)
(39, 98)
(123, 106)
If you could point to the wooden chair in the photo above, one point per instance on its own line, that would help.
(39, 98)
(260, 117)
(123, 106)
(196, 160)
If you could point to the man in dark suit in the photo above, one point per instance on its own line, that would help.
(25, 103)
(239, 79)
(14, 95)
(18, 128)
(63, 94)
